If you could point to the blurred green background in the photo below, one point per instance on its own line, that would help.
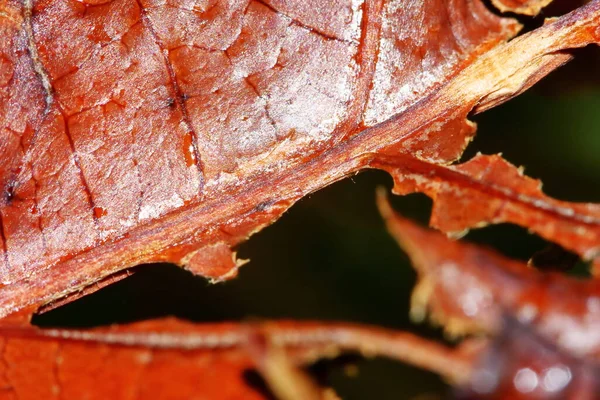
(330, 257)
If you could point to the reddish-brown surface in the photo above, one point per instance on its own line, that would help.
(489, 190)
(470, 288)
(45, 368)
(135, 131)
(169, 359)
(545, 325)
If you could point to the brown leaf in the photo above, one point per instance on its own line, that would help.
(136, 131)
(173, 359)
(468, 288)
(146, 132)
(543, 325)
(489, 190)
(37, 366)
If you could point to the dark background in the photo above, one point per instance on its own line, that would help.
(330, 257)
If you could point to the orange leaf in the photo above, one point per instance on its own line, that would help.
(489, 190)
(172, 359)
(145, 132)
(468, 288)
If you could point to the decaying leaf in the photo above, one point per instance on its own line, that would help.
(487, 189)
(468, 288)
(544, 325)
(145, 131)
(135, 131)
(171, 359)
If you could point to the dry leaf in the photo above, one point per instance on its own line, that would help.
(544, 326)
(136, 131)
(489, 190)
(145, 132)
(469, 289)
(166, 359)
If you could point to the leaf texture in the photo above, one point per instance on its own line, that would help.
(146, 131)
(487, 189)
(136, 131)
(166, 359)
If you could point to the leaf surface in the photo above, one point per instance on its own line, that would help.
(165, 359)
(135, 131)
(542, 326)
(149, 131)
(468, 289)
(489, 190)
